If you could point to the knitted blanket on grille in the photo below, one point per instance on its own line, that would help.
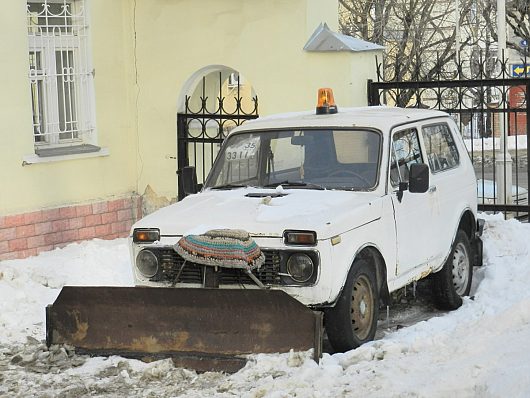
(230, 248)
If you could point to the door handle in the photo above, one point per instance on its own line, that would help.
(432, 189)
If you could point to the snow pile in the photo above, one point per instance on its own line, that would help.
(482, 349)
(27, 286)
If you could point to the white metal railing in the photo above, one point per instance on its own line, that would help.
(60, 74)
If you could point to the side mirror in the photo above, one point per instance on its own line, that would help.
(187, 181)
(419, 178)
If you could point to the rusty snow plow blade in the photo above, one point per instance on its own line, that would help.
(204, 329)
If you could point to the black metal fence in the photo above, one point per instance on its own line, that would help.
(489, 102)
(201, 130)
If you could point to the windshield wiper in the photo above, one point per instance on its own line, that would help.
(229, 186)
(300, 184)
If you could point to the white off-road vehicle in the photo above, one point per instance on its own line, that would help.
(346, 207)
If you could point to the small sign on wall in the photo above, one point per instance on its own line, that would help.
(518, 70)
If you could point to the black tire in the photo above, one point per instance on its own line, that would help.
(353, 319)
(453, 281)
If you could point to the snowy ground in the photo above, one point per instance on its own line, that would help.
(480, 350)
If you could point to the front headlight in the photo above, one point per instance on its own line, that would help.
(300, 267)
(147, 263)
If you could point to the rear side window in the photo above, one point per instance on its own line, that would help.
(440, 147)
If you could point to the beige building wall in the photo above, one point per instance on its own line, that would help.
(262, 40)
(51, 184)
(45, 205)
(147, 55)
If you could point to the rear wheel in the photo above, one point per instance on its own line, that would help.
(453, 281)
(353, 320)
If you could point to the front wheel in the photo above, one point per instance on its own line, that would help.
(353, 319)
(453, 281)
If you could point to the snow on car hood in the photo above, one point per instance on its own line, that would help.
(329, 213)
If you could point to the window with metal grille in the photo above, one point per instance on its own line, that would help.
(60, 76)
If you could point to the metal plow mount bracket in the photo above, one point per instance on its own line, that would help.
(204, 329)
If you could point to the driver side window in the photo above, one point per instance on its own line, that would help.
(404, 152)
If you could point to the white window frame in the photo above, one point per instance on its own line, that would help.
(51, 41)
(233, 79)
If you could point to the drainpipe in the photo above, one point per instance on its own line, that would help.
(457, 31)
(503, 160)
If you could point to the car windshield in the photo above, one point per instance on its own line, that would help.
(299, 159)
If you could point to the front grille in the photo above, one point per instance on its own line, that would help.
(171, 262)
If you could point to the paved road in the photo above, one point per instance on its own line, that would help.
(521, 181)
(519, 174)
(520, 178)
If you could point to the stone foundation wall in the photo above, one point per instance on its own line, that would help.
(27, 234)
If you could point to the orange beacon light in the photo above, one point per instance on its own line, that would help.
(326, 102)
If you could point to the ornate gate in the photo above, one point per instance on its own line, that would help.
(217, 107)
(489, 102)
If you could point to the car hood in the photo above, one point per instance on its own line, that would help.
(267, 212)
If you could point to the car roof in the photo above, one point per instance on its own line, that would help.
(380, 117)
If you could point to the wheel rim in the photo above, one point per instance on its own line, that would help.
(460, 269)
(362, 307)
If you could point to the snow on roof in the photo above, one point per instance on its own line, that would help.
(380, 117)
(324, 39)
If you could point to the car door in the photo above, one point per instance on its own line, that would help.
(416, 214)
(445, 177)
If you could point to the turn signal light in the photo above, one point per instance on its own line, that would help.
(305, 238)
(146, 235)
(326, 102)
